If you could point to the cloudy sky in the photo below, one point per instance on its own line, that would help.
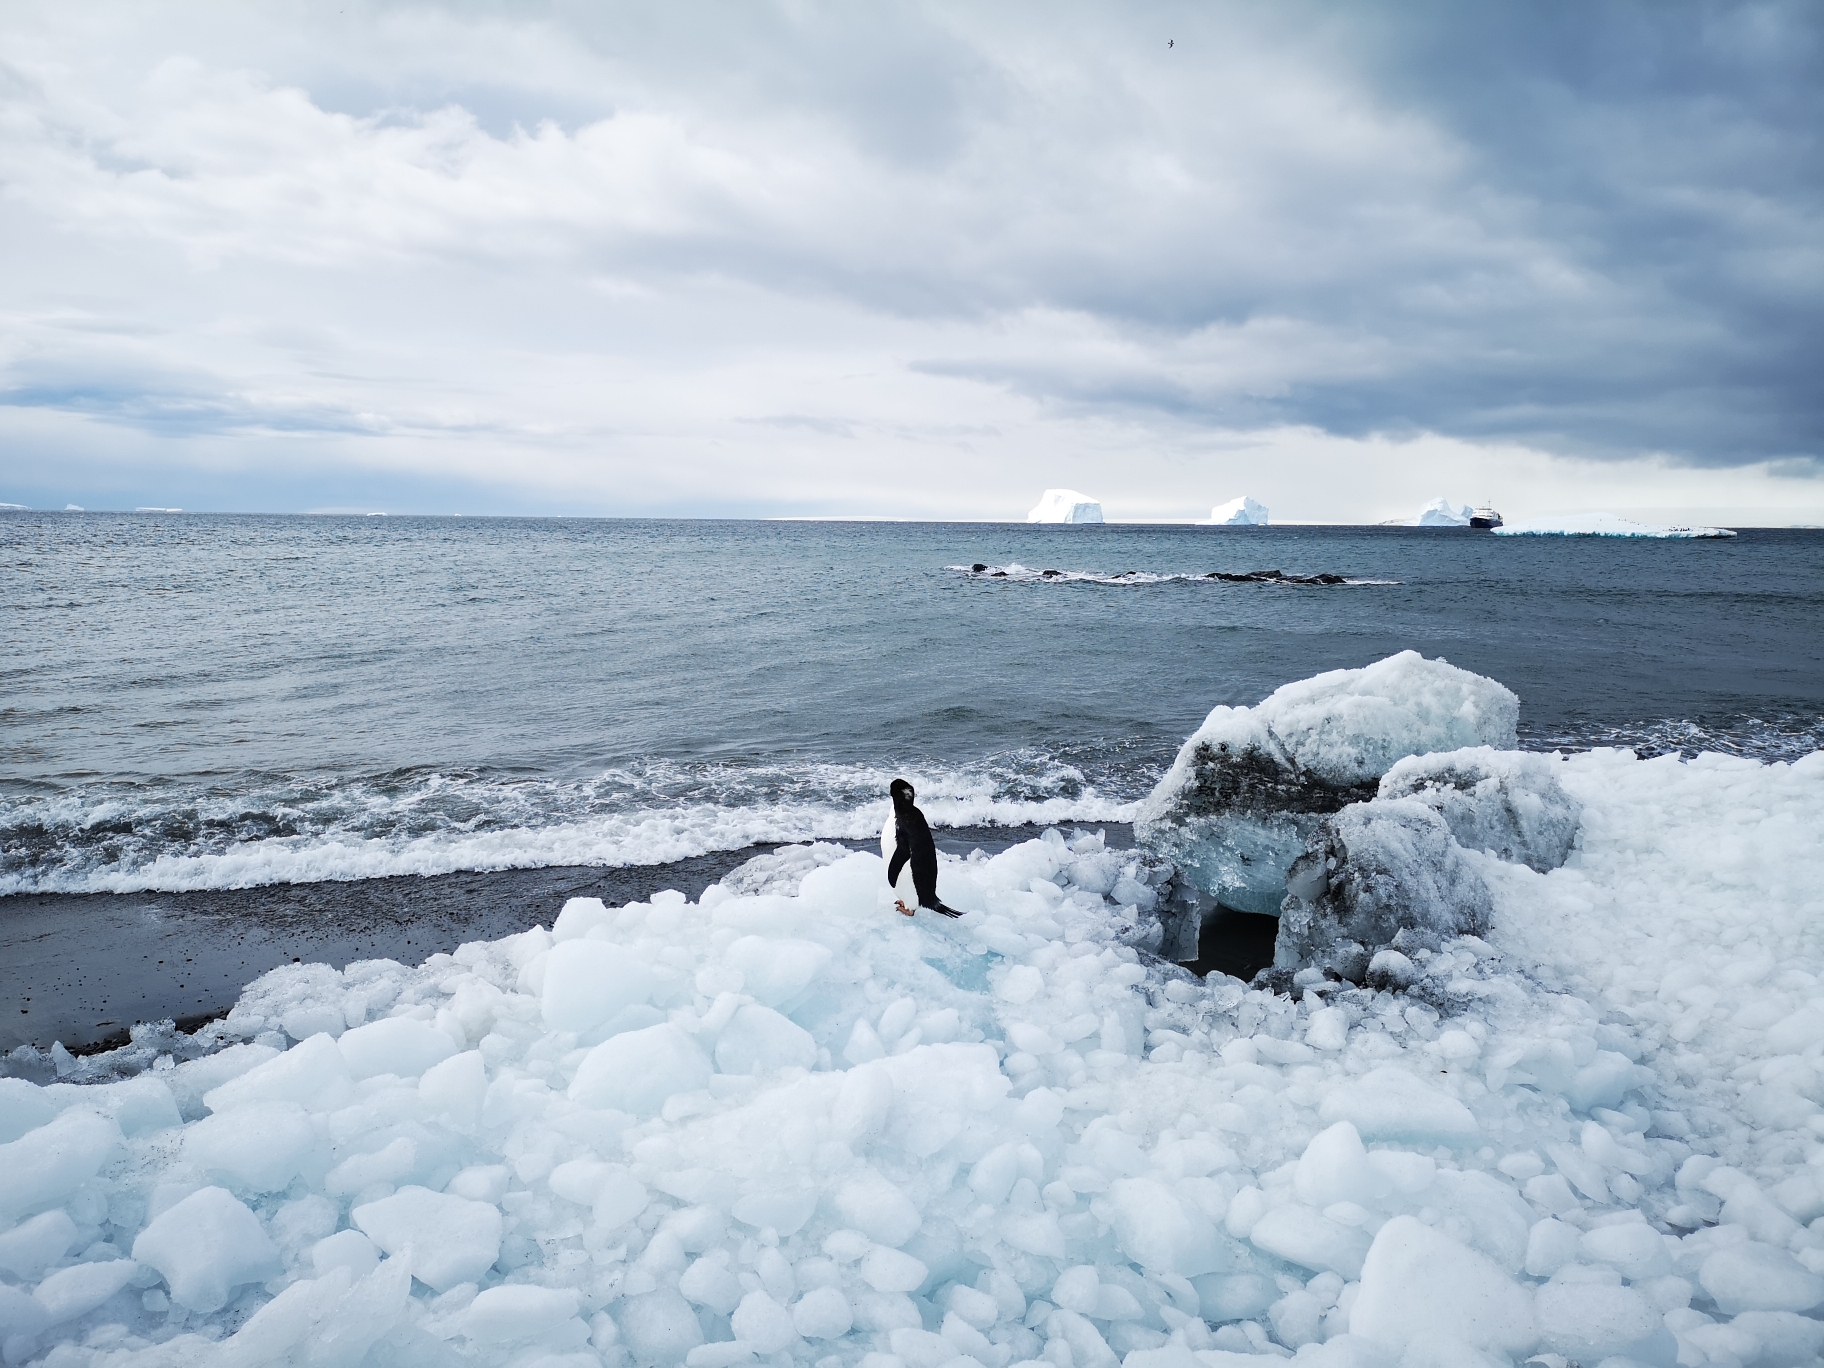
(761, 259)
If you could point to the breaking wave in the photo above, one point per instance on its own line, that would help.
(119, 838)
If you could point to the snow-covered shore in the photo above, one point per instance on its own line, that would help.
(784, 1124)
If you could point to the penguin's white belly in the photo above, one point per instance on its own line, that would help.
(889, 844)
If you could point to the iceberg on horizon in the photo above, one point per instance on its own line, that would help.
(1242, 512)
(1441, 512)
(1600, 525)
(1066, 506)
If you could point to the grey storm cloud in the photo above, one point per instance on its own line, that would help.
(1592, 229)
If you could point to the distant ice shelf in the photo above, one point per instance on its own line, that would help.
(1242, 512)
(1600, 525)
(1066, 506)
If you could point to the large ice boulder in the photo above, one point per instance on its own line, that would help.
(1376, 870)
(206, 1246)
(1442, 512)
(1508, 803)
(1066, 506)
(1242, 512)
(1251, 785)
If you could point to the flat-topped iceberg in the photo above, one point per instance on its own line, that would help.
(1441, 512)
(1251, 785)
(1066, 506)
(1600, 525)
(1242, 512)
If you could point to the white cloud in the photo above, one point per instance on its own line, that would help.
(922, 258)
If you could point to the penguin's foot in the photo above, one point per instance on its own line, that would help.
(905, 911)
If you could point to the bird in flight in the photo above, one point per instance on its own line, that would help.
(1171, 42)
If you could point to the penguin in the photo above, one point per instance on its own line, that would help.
(906, 839)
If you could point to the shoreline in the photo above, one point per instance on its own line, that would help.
(83, 968)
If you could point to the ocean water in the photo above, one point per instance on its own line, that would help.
(195, 701)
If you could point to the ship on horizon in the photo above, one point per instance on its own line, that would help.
(1484, 516)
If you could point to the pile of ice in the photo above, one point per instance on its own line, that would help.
(801, 1129)
(1242, 512)
(1065, 506)
(1395, 874)
(1601, 525)
(1250, 787)
(1441, 512)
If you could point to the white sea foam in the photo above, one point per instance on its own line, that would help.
(441, 824)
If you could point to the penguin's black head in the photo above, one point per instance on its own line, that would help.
(901, 791)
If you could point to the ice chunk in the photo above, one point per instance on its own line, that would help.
(45, 1165)
(589, 982)
(1298, 1234)
(1636, 1250)
(397, 1045)
(1390, 1103)
(869, 1203)
(256, 1148)
(1785, 1339)
(139, 1106)
(79, 1289)
(1417, 1279)
(637, 1070)
(758, 1040)
(444, 1239)
(1758, 1277)
(578, 917)
(1250, 785)
(23, 1107)
(823, 1313)
(782, 872)
(1588, 1322)
(503, 1315)
(1158, 1231)
(312, 1074)
(1372, 871)
(348, 1249)
(33, 1246)
(455, 1088)
(1065, 506)
(206, 1246)
(1242, 512)
(890, 1270)
(776, 970)
(1335, 1168)
(659, 1328)
(763, 1323)
(21, 1319)
(1508, 803)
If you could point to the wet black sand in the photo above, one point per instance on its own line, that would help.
(83, 967)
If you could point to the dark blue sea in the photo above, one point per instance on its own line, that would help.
(200, 701)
